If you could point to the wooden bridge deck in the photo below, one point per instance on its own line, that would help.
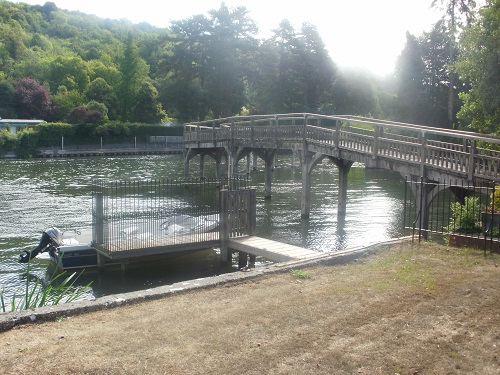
(434, 153)
(271, 250)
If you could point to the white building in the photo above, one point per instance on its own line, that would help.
(15, 125)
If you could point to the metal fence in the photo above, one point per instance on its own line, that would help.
(465, 214)
(142, 217)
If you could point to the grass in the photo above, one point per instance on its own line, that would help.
(299, 274)
(59, 289)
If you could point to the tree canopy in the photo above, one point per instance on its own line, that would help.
(68, 66)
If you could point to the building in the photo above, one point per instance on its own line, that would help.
(15, 125)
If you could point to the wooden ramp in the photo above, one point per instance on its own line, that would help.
(272, 250)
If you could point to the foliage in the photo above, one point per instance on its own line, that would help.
(85, 115)
(465, 216)
(54, 62)
(495, 200)
(478, 65)
(300, 274)
(423, 79)
(133, 71)
(60, 288)
(7, 99)
(147, 108)
(31, 99)
(8, 141)
(27, 144)
(50, 134)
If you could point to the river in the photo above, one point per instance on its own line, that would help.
(37, 194)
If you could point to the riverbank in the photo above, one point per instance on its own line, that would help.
(407, 309)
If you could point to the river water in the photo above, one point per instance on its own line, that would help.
(37, 194)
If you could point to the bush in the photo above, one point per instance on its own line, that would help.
(465, 217)
(8, 141)
(27, 144)
(51, 134)
(495, 200)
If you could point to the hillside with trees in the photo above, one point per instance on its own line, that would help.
(75, 68)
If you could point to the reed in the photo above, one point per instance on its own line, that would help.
(59, 289)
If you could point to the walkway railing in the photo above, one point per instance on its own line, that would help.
(466, 155)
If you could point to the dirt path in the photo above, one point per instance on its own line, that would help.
(407, 309)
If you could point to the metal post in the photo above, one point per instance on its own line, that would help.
(99, 218)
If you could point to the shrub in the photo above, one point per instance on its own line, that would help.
(8, 141)
(50, 134)
(465, 217)
(27, 144)
(495, 200)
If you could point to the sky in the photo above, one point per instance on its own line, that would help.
(366, 34)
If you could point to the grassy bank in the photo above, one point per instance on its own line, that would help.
(406, 309)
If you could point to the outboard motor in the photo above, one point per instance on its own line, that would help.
(51, 239)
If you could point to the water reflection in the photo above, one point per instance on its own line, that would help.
(37, 194)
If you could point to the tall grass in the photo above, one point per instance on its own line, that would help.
(59, 289)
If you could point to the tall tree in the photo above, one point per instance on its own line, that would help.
(214, 51)
(147, 109)
(7, 93)
(410, 73)
(478, 64)
(435, 55)
(453, 9)
(133, 71)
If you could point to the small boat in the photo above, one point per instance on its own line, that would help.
(73, 249)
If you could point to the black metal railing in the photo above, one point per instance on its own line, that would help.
(145, 214)
(464, 213)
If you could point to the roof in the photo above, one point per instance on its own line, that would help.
(20, 122)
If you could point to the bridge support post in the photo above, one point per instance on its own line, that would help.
(249, 159)
(305, 205)
(202, 166)
(268, 177)
(344, 166)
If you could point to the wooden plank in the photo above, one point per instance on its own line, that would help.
(272, 250)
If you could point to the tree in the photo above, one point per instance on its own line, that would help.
(133, 71)
(465, 7)
(478, 65)
(147, 110)
(65, 100)
(85, 115)
(214, 51)
(32, 100)
(355, 94)
(296, 74)
(316, 69)
(100, 91)
(435, 55)
(69, 71)
(410, 73)
(7, 93)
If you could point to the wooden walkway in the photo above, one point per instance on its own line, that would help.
(271, 250)
(436, 154)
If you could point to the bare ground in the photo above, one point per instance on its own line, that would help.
(408, 309)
